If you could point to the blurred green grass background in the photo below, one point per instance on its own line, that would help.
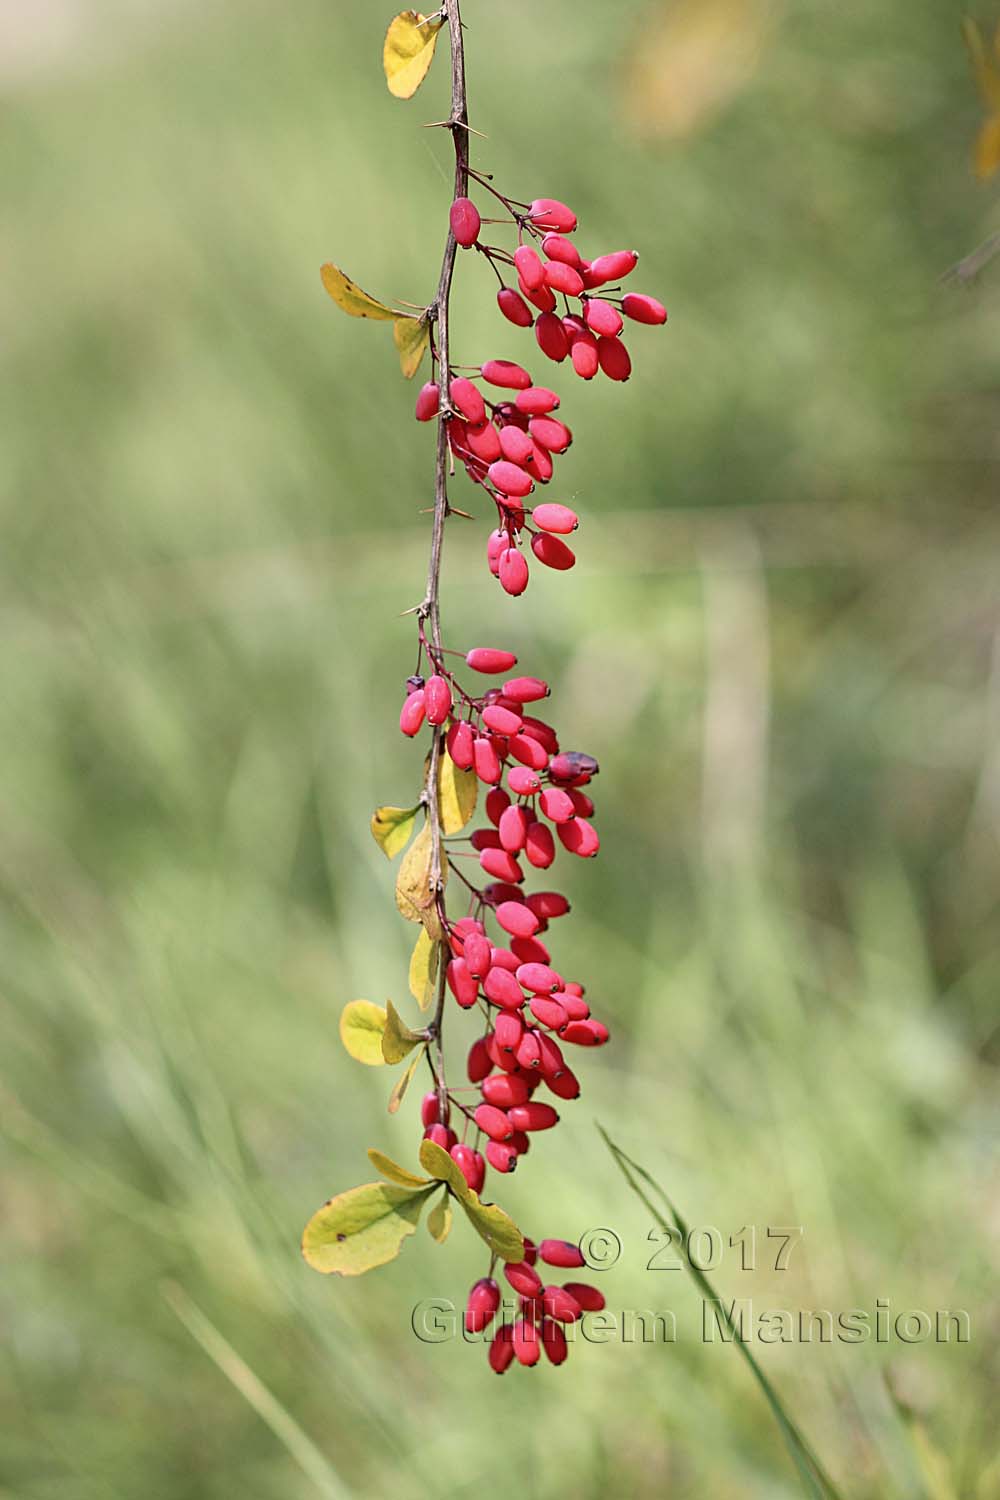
(782, 641)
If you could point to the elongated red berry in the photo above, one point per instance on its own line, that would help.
(536, 401)
(528, 751)
(589, 1298)
(494, 1122)
(485, 760)
(552, 517)
(478, 954)
(586, 1033)
(556, 804)
(553, 1342)
(517, 919)
(560, 1304)
(532, 1116)
(526, 1342)
(430, 1108)
(584, 357)
(465, 222)
(538, 978)
(561, 1253)
(504, 372)
(613, 267)
(505, 1090)
(549, 213)
(502, 988)
(478, 1065)
(548, 1012)
(497, 802)
(501, 720)
(602, 317)
(563, 278)
(613, 358)
(539, 846)
(482, 1306)
(513, 571)
(564, 1085)
(508, 1031)
(459, 931)
(460, 740)
(530, 951)
(514, 307)
(522, 1277)
(513, 828)
(489, 661)
(550, 336)
(471, 1165)
(529, 1051)
(510, 479)
(516, 447)
(441, 1136)
(551, 433)
(529, 267)
(467, 398)
(501, 1155)
(411, 715)
(558, 248)
(520, 1142)
(568, 765)
(483, 441)
(643, 309)
(542, 297)
(437, 696)
(428, 402)
(523, 782)
(461, 983)
(526, 689)
(552, 552)
(501, 1355)
(575, 1006)
(579, 837)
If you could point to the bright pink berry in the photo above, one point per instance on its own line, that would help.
(579, 837)
(502, 988)
(513, 571)
(539, 846)
(613, 358)
(549, 213)
(471, 1165)
(483, 442)
(505, 1090)
(517, 919)
(510, 479)
(536, 401)
(501, 1155)
(477, 954)
(523, 782)
(589, 1298)
(613, 267)
(478, 1064)
(528, 751)
(497, 803)
(529, 267)
(526, 689)
(504, 372)
(564, 1085)
(441, 1136)
(532, 1116)
(527, 1345)
(643, 309)
(561, 1253)
(430, 1109)
(437, 695)
(516, 446)
(586, 1033)
(529, 1050)
(494, 1122)
(481, 1308)
(508, 1031)
(468, 399)
(548, 904)
(584, 357)
(460, 742)
(548, 1012)
(465, 222)
(514, 307)
(560, 1304)
(553, 1342)
(558, 248)
(501, 1354)
(602, 317)
(557, 805)
(523, 1278)
(553, 517)
(551, 337)
(462, 984)
(530, 951)
(411, 715)
(489, 661)
(428, 402)
(552, 552)
(501, 720)
(563, 278)
(551, 433)
(542, 296)
(485, 760)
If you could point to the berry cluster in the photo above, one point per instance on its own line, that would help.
(543, 1310)
(510, 443)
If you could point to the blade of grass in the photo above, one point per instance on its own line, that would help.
(814, 1478)
(284, 1426)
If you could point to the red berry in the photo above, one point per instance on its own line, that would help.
(523, 782)
(557, 248)
(643, 309)
(501, 1353)
(501, 1155)
(489, 661)
(584, 355)
(483, 442)
(494, 1122)
(539, 846)
(497, 803)
(529, 1050)
(468, 399)
(557, 805)
(523, 1278)
(459, 742)
(462, 984)
(538, 978)
(471, 1165)
(514, 307)
(479, 1064)
(411, 715)
(561, 1253)
(516, 446)
(548, 1012)
(502, 988)
(549, 213)
(517, 919)
(575, 1006)
(513, 571)
(586, 1033)
(481, 1308)
(560, 1304)
(542, 296)
(579, 837)
(554, 1342)
(552, 552)
(530, 950)
(612, 267)
(504, 1090)
(525, 1340)
(513, 828)
(441, 1136)
(548, 904)
(510, 479)
(532, 1116)
(564, 1085)
(477, 954)
(551, 337)
(613, 358)
(501, 720)
(571, 764)
(437, 695)
(563, 278)
(589, 1298)
(529, 267)
(460, 930)
(520, 1142)
(486, 760)
(602, 317)
(553, 517)
(584, 805)
(505, 373)
(508, 1031)
(525, 689)
(430, 1109)
(536, 401)
(465, 222)
(428, 402)
(501, 865)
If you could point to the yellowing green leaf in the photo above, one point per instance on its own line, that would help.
(457, 791)
(394, 1171)
(391, 828)
(408, 52)
(414, 896)
(439, 1220)
(397, 1039)
(362, 1025)
(424, 970)
(411, 337)
(490, 1222)
(350, 298)
(403, 1083)
(362, 1228)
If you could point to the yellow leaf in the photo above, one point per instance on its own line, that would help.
(403, 1083)
(408, 52)
(692, 58)
(391, 828)
(987, 154)
(394, 1171)
(457, 791)
(362, 1025)
(411, 337)
(439, 1220)
(414, 896)
(490, 1222)
(362, 1228)
(424, 970)
(985, 69)
(350, 298)
(437, 1161)
(397, 1040)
